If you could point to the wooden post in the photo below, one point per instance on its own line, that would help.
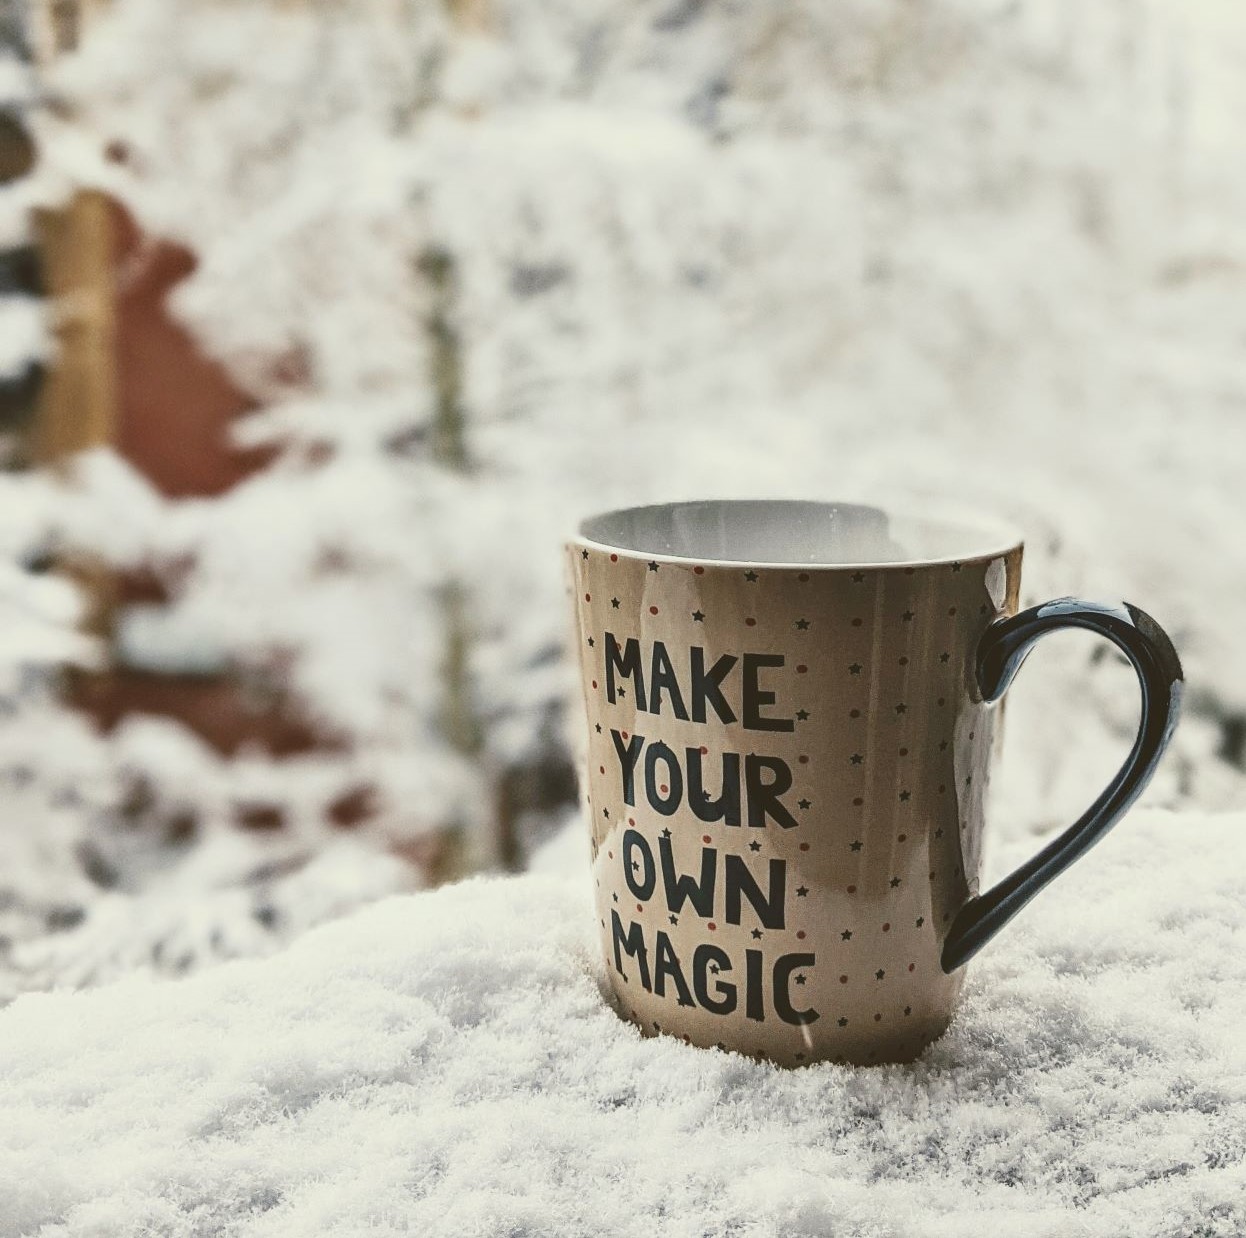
(77, 406)
(78, 403)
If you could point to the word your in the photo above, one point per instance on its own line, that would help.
(765, 780)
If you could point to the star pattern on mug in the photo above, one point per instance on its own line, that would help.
(903, 642)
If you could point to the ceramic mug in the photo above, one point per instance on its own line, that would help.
(791, 714)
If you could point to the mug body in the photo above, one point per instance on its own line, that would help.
(787, 756)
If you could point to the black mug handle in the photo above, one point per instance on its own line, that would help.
(1001, 651)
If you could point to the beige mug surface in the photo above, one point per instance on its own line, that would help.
(786, 767)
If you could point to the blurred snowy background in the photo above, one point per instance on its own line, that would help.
(396, 290)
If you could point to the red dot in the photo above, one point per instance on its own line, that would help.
(804, 846)
(594, 683)
(904, 661)
(941, 700)
(803, 576)
(800, 934)
(904, 752)
(951, 610)
(856, 623)
(878, 1018)
(623, 733)
(901, 838)
(843, 980)
(705, 838)
(750, 622)
(704, 749)
(803, 759)
(852, 889)
(887, 928)
(631, 821)
(854, 713)
(712, 926)
(801, 669)
(653, 610)
(912, 966)
(614, 558)
(639, 907)
(610, 854)
(663, 788)
(700, 571)
(601, 769)
(857, 802)
(588, 597)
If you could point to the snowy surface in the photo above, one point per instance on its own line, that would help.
(443, 1064)
(978, 251)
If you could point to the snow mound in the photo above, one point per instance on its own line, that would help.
(443, 1064)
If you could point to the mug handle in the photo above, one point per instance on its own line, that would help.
(1001, 651)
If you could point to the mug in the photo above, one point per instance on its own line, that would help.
(792, 708)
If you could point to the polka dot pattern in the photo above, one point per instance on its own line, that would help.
(836, 904)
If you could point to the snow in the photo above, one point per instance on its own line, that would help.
(444, 1064)
(977, 251)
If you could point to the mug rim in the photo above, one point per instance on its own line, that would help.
(1001, 537)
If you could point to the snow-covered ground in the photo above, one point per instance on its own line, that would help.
(506, 269)
(443, 1064)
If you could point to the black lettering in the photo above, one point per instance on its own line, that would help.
(706, 685)
(628, 665)
(723, 999)
(633, 943)
(784, 966)
(763, 797)
(642, 887)
(668, 965)
(726, 807)
(662, 679)
(754, 1005)
(666, 802)
(628, 756)
(737, 881)
(684, 888)
(755, 696)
